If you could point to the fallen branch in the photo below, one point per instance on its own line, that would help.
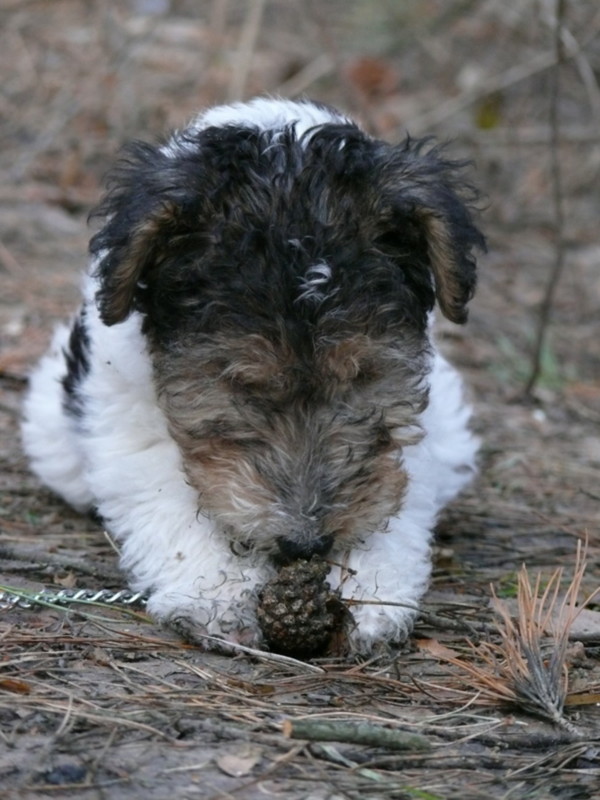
(365, 733)
(441, 622)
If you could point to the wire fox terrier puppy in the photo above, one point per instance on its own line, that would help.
(251, 378)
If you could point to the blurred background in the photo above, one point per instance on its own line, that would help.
(81, 77)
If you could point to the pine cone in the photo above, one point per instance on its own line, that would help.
(297, 611)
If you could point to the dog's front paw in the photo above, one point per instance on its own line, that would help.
(379, 629)
(382, 585)
(195, 632)
(383, 602)
(210, 616)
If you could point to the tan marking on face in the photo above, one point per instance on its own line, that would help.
(276, 447)
(347, 359)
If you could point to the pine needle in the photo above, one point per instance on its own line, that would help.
(528, 667)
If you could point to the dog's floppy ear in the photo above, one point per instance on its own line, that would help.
(429, 207)
(142, 210)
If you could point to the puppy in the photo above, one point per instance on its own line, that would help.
(251, 378)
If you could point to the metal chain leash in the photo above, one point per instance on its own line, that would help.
(122, 597)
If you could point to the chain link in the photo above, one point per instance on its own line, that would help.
(123, 597)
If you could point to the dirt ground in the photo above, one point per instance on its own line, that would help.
(99, 702)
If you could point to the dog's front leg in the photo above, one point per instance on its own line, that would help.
(205, 592)
(383, 583)
(168, 548)
(196, 584)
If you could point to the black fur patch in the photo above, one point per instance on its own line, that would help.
(78, 364)
(236, 219)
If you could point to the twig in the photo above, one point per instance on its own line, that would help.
(510, 77)
(365, 733)
(533, 136)
(190, 633)
(321, 66)
(99, 716)
(246, 49)
(64, 108)
(217, 25)
(557, 202)
(458, 625)
(430, 618)
(321, 23)
(215, 46)
(44, 560)
(585, 69)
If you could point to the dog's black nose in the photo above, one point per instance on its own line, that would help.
(294, 549)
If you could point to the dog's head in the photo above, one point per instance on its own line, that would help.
(285, 274)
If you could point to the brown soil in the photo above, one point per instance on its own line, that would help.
(99, 702)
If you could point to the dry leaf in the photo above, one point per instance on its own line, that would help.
(435, 649)
(15, 685)
(241, 762)
(68, 582)
(100, 656)
(374, 77)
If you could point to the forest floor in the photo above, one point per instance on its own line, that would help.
(100, 701)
